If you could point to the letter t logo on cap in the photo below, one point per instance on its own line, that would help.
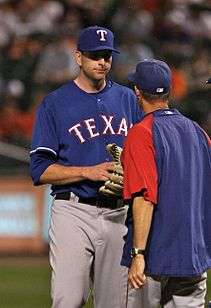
(102, 33)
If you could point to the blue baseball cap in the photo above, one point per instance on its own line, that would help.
(96, 38)
(209, 80)
(152, 76)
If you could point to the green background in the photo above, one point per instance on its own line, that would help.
(25, 283)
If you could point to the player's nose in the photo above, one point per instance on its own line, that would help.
(101, 61)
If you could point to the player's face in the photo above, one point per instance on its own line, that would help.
(95, 65)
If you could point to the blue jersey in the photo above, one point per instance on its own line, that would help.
(168, 158)
(73, 128)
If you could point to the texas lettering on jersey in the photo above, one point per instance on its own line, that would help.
(107, 129)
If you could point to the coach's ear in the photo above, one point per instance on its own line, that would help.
(138, 92)
(78, 57)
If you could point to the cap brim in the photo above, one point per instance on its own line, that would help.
(208, 81)
(101, 48)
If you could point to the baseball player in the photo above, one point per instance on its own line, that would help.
(167, 177)
(74, 124)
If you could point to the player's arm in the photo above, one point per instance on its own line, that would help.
(59, 175)
(45, 169)
(44, 166)
(142, 218)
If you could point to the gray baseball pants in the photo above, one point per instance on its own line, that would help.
(180, 293)
(86, 245)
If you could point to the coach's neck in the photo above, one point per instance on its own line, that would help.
(150, 105)
(154, 105)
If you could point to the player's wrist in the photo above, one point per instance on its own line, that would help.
(84, 171)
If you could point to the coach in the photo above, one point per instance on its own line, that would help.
(167, 169)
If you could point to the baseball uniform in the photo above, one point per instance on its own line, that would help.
(73, 128)
(167, 157)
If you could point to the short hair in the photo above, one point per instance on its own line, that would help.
(153, 97)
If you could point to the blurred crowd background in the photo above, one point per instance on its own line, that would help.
(37, 43)
(38, 39)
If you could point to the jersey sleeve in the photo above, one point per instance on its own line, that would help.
(39, 162)
(140, 170)
(45, 135)
(45, 145)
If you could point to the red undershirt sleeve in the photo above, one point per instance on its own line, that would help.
(138, 158)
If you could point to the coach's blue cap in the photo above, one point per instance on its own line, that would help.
(152, 76)
(96, 38)
(209, 80)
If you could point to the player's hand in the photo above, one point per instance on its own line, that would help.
(100, 172)
(114, 185)
(136, 277)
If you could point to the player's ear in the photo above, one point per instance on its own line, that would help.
(78, 57)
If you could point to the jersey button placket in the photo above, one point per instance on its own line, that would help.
(100, 106)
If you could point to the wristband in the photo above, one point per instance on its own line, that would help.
(137, 251)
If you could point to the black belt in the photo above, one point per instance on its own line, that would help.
(107, 202)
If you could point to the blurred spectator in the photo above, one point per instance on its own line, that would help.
(30, 16)
(179, 84)
(199, 69)
(15, 125)
(57, 62)
(72, 21)
(134, 19)
(98, 10)
(132, 50)
(80, 11)
(38, 39)
(17, 66)
(12, 123)
(198, 22)
(6, 14)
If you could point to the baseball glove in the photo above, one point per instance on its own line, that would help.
(114, 186)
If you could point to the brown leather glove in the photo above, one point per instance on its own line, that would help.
(114, 186)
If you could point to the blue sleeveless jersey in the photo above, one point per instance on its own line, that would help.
(73, 127)
(168, 158)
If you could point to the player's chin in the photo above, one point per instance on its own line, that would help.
(100, 74)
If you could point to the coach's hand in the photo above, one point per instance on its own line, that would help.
(100, 172)
(136, 276)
